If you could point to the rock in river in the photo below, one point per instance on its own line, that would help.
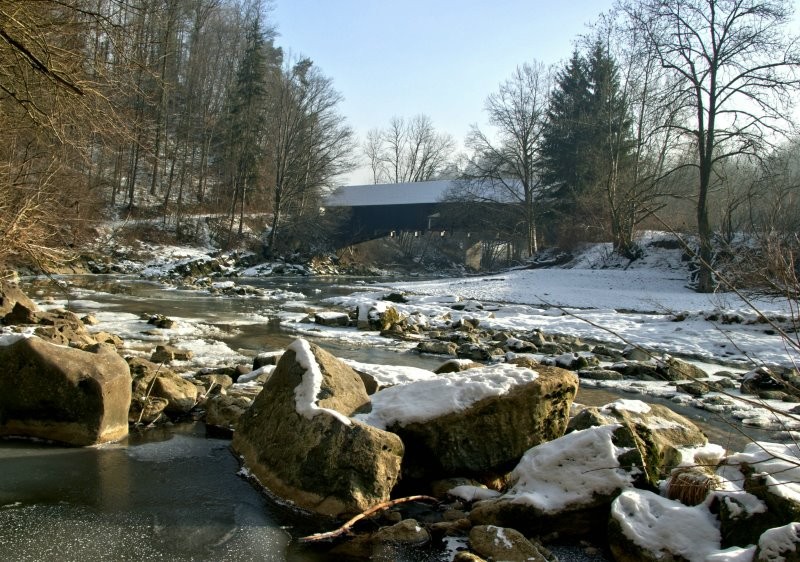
(298, 440)
(63, 394)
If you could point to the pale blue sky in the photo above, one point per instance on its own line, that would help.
(441, 58)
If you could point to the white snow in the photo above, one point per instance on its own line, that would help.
(658, 524)
(779, 463)
(733, 554)
(569, 471)
(636, 304)
(634, 406)
(305, 394)
(473, 493)
(391, 375)
(7, 337)
(781, 540)
(501, 538)
(424, 400)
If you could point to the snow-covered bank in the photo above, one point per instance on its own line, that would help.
(647, 304)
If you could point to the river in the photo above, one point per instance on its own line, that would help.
(172, 493)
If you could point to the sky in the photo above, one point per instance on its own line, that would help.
(440, 58)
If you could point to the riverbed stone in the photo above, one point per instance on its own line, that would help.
(63, 394)
(147, 411)
(156, 381)
(674, 369)
(10, 295)
(557, 489)
(224, 411)
(780, 544)
(437, 347)
(168, 353)
(22, 314)
(659, 432)
(456, 443)
(314, 455)
(758, 469)
(336, 319)
(502, 543)
(636, 530)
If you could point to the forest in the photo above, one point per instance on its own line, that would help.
(670, 115)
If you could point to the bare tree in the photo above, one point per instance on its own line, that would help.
(308, 142)
(736, 69)
(51, 108)
(504, 165)
(408, 151)
(641, 188)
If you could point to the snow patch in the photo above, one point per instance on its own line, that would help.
(635, 406)
(424, 400)
(657, 524)
(780, 540)
(569, 471)
(473, 493)
(305, 393)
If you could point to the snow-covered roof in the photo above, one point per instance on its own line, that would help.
(389, 194)
(425, 192)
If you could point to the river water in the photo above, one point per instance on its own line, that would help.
(172, 493)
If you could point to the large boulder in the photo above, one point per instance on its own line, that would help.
(63, 394)
(565, 486)
(299, 441)
(444, 422)
(659, 432)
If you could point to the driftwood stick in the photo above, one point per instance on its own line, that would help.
(368, 513)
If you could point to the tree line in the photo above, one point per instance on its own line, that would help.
(667, 107)
(668, 112)
(121, 109)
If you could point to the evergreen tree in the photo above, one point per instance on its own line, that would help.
(566, 135)
(248, 117)
(587, 141)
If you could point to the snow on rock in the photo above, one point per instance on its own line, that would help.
(775, 543)
(424, 400)
(473, 493)
(391, 375)
(777, 463)
(733, 554)
(662, 527)
(309, 388)
(571, 471)
(635, 406)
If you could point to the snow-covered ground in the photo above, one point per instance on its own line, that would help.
(648, 304)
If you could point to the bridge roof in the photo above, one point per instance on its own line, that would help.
(389, 194)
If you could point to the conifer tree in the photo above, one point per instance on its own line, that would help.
(586, 138)
(565, 135)
(248, 118)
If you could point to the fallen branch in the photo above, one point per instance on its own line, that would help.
(368, 513)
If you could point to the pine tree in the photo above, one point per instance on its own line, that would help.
(587, 142)
(566, 135)
(247, 115)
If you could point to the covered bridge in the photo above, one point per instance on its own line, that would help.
(378, 210)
